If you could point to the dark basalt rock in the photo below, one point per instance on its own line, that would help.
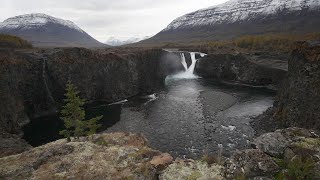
(297, 103)
(198, 56)
(188, 59)
(33, 81)
(12, 144)
(171, 62)
(240, 68)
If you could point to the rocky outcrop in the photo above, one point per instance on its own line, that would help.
(127, 156)
(240, 68)
(106, 156)
(12, 144)
(285, 153)
(251, 163)
(297, 103)
(275, 143)
(298, 152)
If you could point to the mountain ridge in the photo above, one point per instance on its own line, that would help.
(236, 18)
(235, 10)
(44, 30)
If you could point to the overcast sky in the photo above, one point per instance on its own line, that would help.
(103, 19)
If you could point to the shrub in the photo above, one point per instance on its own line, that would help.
(297, 169)
(9, 41)
(213, 158)
(265, 42)
(301, 168)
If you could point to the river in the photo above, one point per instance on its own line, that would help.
(188, 118)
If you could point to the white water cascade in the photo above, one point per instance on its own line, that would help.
(189, 72)
(183, 61)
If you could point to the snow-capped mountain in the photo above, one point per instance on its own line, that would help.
(119, 42)
(240, 17)
(240, 10)
(45, 30)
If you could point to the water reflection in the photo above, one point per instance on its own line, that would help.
(193, 116)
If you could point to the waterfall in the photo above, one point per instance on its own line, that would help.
(45, 82)
(183, 61)
(189, 72)
(203, 54)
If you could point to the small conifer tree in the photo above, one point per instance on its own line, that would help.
(73, 115)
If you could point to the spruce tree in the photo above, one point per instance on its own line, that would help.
(73, 115)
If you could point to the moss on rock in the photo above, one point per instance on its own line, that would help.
(192, 170)
(83, 158)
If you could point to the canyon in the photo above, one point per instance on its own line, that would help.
(113, 75)
(225, 92)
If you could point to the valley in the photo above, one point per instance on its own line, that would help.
(230, 91)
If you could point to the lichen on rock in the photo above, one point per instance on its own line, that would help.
(192, 170)
(83, 158)
(275, 143)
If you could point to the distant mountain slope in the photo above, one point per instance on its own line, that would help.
(243, 17)
(44, 30)
(118, 42)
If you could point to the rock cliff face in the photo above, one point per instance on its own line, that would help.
(33, 81)
(240, 68)
(297, 103)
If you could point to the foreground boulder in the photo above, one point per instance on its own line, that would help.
(251, 163)
(275, 143)
(162, 160)
(291, 153)
(296, 151)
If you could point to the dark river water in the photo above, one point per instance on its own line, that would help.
(186, 119)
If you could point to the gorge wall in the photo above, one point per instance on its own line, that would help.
(33, 81)
(242, 68)
(297, 103)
